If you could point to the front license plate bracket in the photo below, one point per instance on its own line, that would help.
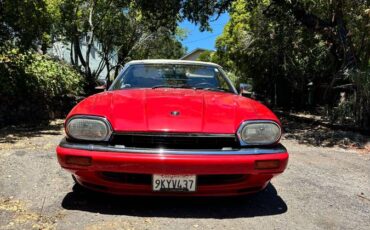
(174, 183)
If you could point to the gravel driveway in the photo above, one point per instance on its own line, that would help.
(323, 188)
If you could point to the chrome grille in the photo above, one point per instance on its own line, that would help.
(175, 140)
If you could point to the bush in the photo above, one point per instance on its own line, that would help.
(35, 88)
(361, 98)
(355, 109)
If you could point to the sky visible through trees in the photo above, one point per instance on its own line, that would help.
(205, 39)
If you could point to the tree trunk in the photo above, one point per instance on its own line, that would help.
(71, 55)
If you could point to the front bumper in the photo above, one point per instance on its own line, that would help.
(145, 162)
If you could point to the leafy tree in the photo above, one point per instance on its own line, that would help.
(125, 29)
(33, 86)
(206, 56)
(284, 46)
(168, 12)
(162, 45)
(25, 23)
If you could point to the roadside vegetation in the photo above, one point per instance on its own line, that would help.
(34, 88)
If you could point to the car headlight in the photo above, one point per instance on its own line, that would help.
(89, 128)
(259, 132)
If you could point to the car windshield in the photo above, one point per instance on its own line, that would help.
(173, 76)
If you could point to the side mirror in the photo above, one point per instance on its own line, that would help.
(101, 85)
(245, 89)
(100, 88)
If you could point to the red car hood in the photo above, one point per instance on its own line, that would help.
(152, 110)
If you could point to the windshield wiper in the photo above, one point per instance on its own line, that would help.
(173, 86)
(213, 89)
(218, 89)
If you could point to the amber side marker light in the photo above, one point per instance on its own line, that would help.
(267, 164)
(78, 160)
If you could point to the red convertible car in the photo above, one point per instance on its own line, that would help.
(169, 127)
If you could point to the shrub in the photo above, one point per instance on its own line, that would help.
(34, 88)
(355, 109)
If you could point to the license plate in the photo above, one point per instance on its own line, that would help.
(174, 183)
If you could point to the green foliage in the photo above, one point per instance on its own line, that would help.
(360, 100)
(162, 45)
(206, 56)
(279, 56)
(292, 50)
(25, 23)
(124, 29)
(168, 12)
(128, 29)
(33, 85)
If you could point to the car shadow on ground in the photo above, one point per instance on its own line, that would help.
(265, 203)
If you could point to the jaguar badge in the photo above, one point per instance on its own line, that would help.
(175, 113)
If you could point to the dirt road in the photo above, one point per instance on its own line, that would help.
(323, 188)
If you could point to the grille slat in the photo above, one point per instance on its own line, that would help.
(175, 141)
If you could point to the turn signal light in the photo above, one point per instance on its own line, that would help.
(78, 160)
(267, 164)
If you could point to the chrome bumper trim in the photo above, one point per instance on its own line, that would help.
(109, 148)
(169, 134)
